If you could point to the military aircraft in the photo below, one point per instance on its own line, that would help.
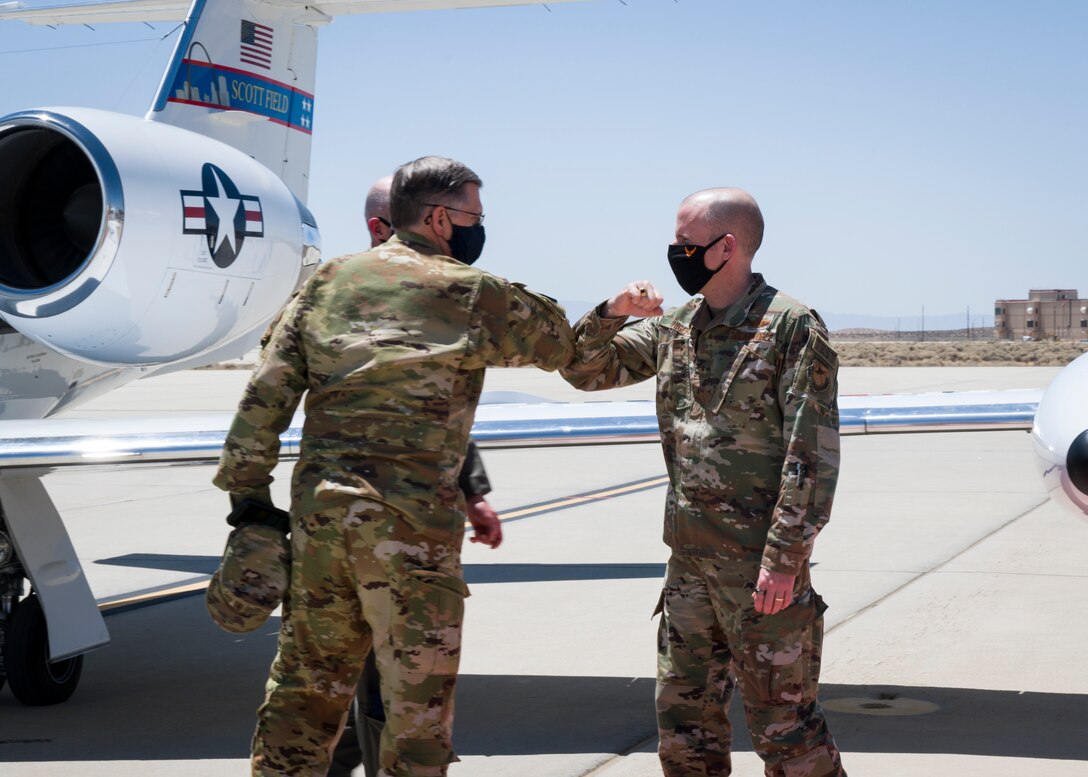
(131, 247)
(137, 246)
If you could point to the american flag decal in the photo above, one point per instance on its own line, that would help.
(255, 44)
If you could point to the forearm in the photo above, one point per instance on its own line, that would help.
(519, 327)
(608, 355)
(809, 476)
(251, 449)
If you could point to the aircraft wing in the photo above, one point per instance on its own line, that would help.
(177, 10)
(942, 411)
(500, 423)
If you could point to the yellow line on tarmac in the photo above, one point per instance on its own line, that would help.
(154, 596)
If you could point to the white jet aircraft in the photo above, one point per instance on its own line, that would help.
(131, 247)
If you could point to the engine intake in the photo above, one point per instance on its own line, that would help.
(213, 242)
(60, 205)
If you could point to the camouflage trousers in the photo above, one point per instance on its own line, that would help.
(710, 634)
(361, 577)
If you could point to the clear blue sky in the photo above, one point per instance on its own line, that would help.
(905, 154)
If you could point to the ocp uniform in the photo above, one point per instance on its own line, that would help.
(747, 408)
(389, 348)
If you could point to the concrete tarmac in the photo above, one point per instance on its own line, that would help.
(955, 640)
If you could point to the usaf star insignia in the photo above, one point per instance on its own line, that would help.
(221, 213)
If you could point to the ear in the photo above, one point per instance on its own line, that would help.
(440, 222)
(729, 250)
(378, 230)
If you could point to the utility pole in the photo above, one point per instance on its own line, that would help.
(923, 323)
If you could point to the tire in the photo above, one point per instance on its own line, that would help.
(34, 680)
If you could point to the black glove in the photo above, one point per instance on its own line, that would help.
(250, 511)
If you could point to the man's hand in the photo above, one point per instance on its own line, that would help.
(640, 298)
(774, 591)
(485, 522)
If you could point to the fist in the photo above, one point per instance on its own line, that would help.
(640, 299)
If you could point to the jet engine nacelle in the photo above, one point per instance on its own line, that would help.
(126, 242)
(1060, 434)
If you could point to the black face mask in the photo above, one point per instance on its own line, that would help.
(687, 265)
(467, 243)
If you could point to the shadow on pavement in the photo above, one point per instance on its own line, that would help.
(474, 573)
(172, 686)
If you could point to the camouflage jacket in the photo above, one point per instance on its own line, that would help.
(747, 407)
(389, 347)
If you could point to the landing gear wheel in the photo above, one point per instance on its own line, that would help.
(35, 681)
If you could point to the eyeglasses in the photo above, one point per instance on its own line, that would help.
(479, 216)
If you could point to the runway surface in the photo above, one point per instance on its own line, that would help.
(957, 621)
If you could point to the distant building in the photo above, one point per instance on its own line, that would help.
(1047, 314)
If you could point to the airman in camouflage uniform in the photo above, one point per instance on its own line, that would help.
(746, 402)
(389, 347)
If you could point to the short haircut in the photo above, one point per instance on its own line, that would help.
(377, 201)
(429, 179)
(736, 211)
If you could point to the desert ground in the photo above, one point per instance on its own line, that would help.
(856, 351)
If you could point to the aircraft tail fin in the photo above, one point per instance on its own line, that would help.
(243, 73)
(243, 70)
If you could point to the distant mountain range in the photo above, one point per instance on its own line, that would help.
(836, 321)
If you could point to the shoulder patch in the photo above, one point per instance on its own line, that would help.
(821, 368)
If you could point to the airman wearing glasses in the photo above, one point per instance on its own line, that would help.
(359, 742)
(747, 407)
(389, 347)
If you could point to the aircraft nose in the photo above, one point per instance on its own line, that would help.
(1076, 462)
